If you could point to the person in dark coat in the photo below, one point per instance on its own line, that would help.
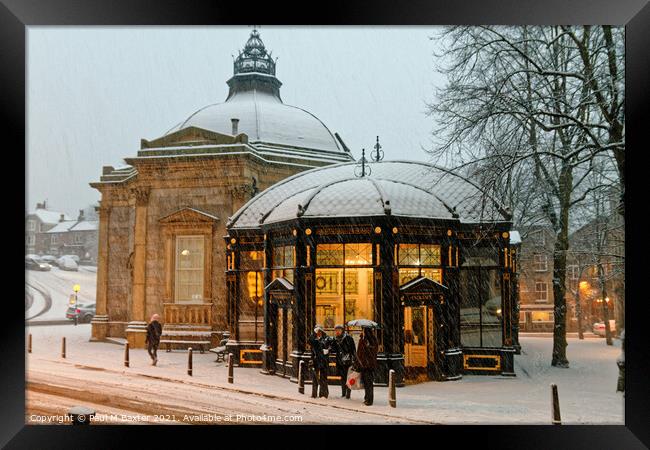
(343, 345)
(367, 362)
(320, 344)
(154, 330)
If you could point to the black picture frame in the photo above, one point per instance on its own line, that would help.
(16, 15)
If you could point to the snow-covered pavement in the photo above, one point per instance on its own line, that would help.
(93, 373)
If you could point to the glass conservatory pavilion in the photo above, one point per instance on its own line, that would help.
(417, 249)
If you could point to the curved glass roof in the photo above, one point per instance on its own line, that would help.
(397, 188)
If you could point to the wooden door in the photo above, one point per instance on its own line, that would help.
(415, 336)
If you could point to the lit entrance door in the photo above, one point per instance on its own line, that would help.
(415, 336)
(284, 338)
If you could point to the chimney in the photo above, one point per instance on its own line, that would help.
(81, 215)
(235, 126)
(62, 218)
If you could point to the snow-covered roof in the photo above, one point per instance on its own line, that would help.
(47, 216)
(85, 225)
(398, 188)
(62, 227)
(264, 118)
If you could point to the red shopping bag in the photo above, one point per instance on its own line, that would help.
(354, 379)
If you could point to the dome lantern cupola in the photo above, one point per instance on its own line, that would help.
(254, 69)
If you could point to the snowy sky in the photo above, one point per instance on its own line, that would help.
(94, 92)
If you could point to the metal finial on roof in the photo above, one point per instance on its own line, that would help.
(254, 57)
(362, 169)
(378, 154)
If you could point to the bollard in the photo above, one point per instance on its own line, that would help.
(29, 343)
(126, 355)
(189, 361)
(63, 347)
(556, 405)
(80, 415)
(301, 377)
(392, 398)
(314, 383)
(231, 378)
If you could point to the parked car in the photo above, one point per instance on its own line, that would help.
(48, 259)
(32, 264)
(66, 263)
(599, 328)
(73, 257)
(84, 313)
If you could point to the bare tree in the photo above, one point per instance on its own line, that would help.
(519, 112)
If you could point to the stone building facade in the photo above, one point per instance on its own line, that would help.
(162, 216)
(37, 222)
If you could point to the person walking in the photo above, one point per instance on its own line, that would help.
(154, 330)
(343, 345)
(320, 344)
(367, 362)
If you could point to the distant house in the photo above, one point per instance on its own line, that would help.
(37, 222)
(73, 237)
(535, 276)
(535, 269)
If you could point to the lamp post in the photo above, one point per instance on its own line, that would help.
(76, 288)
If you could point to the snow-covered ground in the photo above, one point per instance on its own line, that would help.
(50, 291)
(94, 374)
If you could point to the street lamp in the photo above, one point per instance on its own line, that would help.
(76, 288)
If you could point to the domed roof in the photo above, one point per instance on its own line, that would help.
(264, 118)
(396, 188)
(254, 99)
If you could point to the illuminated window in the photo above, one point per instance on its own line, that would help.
(251, 260)
(343, 292)
(409, 255)
(541, 316)
(358, 254)
(329, 255)
(419, 255)
(189, 274)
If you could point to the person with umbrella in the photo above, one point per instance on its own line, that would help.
(367, 361)
(343, 345)
(320, 344)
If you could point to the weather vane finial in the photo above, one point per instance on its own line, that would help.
(362, 169)
(378, 154)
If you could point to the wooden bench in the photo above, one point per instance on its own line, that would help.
(200, 344)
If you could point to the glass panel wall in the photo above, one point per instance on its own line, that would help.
(480, 298)
(251, 301)
(344, 283)
(416, 260)
(284, 261)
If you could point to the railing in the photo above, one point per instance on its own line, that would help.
(191, 313)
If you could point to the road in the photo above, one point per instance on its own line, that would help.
(47, 293)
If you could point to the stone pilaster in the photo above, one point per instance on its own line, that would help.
(136, 329)
(99, 323)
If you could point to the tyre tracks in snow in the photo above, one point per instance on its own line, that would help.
(159, 395)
